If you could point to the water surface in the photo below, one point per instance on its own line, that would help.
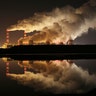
(47, 76)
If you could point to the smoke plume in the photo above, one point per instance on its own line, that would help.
(60, 24)
(61, 77)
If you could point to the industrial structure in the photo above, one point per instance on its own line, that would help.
(31, 40)
(7, 43)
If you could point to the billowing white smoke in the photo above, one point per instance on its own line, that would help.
(71, 22)
(60, 78)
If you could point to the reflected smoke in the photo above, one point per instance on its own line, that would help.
(59, 77)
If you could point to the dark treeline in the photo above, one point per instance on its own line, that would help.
(50, 52)
(30, 49)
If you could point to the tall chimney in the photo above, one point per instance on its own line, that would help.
(25, 69)
(7, 68)
(25, 34)
(7, 36)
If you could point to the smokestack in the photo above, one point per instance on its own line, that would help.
(7, 68)
(25, 69)
(7, 36)
(25, 34)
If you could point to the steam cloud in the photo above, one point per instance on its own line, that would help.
(61, 77)
(60, 24)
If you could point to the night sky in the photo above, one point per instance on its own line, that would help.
(12, 11)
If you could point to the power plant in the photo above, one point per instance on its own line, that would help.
(7, 43)
(29, 40)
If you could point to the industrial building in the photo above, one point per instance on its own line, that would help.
(33, 40)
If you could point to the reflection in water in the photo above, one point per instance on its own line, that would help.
(55, 76)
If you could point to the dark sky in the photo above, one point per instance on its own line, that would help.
(12, 11)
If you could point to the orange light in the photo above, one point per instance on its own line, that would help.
(25, 68)
(7, 36)
(7, 71)
(7, 67)
(7, 30)
(7, 41)
(7, 64)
